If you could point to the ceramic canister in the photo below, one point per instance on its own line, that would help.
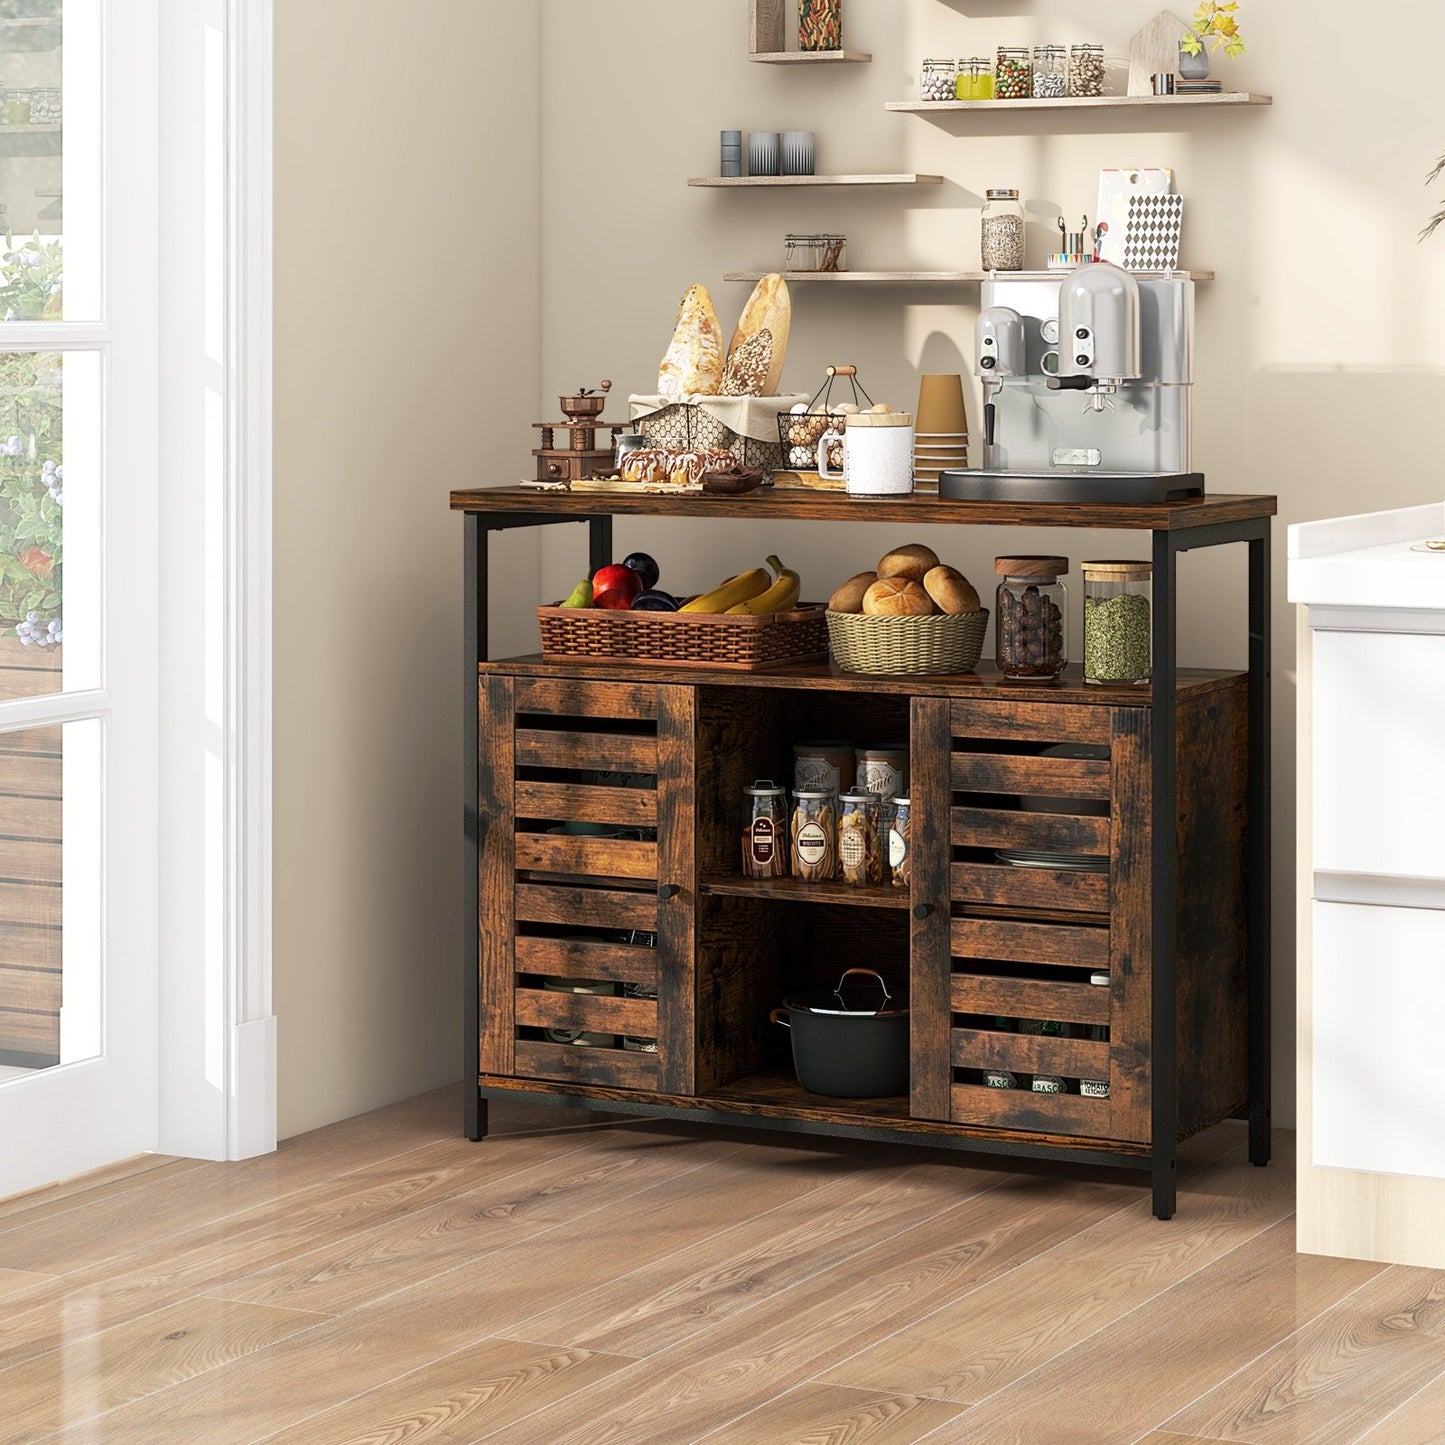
(823, 767)
(878, 454)
(883, 771)
(764, 152)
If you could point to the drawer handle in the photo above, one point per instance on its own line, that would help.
(923, 910)
(668, 890)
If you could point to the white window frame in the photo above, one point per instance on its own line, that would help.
(217, 1031)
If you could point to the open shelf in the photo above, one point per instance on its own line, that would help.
(811, 57)
(799, 890)
(781, 1091)
(933, 278)
(1102, 102)
(732, 182)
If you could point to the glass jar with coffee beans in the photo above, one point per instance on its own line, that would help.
(1029, 625)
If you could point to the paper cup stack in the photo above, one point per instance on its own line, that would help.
(941, 442)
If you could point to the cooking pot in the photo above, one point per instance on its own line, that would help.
(848, 1045)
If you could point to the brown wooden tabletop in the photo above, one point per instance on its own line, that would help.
(839, 507)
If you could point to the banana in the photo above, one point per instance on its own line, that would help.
(735, 590)
(782, 596)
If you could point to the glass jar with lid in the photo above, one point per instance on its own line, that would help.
(1030, 624)
(1013, 73)
(1118, 622)
(765, 848)
(860, 849)
(823, 252)
(814, 836)
(1086, 71)
(940, 80)
(1051, 72)
(975, 78)
(900, 847)
(1001, 231)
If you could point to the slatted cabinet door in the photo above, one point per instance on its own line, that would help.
(588, 880)
(1002, 973)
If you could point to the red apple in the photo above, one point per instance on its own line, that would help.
(614, 587)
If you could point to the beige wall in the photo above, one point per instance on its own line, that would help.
(406, 352)
(1319, 360)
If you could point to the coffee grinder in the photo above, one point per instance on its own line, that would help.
(1087, 389)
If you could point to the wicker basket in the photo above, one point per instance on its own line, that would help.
(907, 645)
(684, 639)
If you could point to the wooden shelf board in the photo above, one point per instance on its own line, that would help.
(1104, 102)
(811, 57)
(798, 890)
(933, 278)
(906, 178)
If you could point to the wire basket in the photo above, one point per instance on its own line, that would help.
(901, 646)
(684, 639)
(800, 432)
(688, 427)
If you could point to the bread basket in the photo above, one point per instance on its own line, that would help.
(900, 646)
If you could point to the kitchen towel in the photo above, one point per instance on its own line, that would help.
(748, 416)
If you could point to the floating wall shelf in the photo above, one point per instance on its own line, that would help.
(904, 278)
(812, 57)
(729, 182)
(768, 25)
(1103, 102)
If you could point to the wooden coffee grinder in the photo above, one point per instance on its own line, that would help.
(581, 459)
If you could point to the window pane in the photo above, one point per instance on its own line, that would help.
(49, 522)
(50, 147)
(50, 957)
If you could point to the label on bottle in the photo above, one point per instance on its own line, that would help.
(763, 841)
(881, 777)
(812, 844)
(852, 848)
(1049, 1084)
(897, 848)
(1000, 1079)
(1094, 1088)
(815, 774)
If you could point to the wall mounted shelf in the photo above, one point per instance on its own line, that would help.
(768, 25)
(812, 57)
(1103, 102)
(732, 182)
(907, 278)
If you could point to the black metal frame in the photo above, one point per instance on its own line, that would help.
(1161, 1161)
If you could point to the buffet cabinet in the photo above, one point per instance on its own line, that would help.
(606, 836)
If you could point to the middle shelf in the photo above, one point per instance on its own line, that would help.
(800, 890)
(932, 278)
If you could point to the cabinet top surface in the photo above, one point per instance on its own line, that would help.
(839, 507)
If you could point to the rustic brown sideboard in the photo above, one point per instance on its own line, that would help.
(1179, 920)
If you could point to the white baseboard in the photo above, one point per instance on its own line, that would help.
(252, 1125)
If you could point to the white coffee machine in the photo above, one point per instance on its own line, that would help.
(1087, 388)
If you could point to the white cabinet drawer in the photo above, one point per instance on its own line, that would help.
(1379, 753)
(1379, 1010)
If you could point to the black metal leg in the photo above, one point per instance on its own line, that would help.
(1164, 865)
(599, 542)
(474, 650)
(1258, 948)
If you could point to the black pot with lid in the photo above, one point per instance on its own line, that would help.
(851, 1041)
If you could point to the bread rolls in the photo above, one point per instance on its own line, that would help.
(849, 597)
(950, 590)
(913, 561)
(897, 597)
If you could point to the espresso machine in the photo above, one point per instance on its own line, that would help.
(1087, 383)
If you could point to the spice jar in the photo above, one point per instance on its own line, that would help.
(1013, 75)
(1086, 70)
(860, 849)
(1051, 72)
(940, 80)
(814, 837)
(975, 79)
(764, 854)
(1029, 627)
(1001, 231)
(1118, 611)
(900, 851)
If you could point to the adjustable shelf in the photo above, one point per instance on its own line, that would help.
(764, 182)
(1100, 102)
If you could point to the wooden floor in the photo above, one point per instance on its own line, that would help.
(575, 1281)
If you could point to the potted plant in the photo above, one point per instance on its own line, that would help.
(1216, 27)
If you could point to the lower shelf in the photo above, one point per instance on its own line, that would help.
(779, 1099)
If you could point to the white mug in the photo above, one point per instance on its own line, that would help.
(877, 455)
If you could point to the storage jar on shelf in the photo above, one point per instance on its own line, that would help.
(940, 80)
(1001, 231)
(765, 847)
(814, 836)
(1030, 623)
(1013, 74)
(975, 79)
(860, 848)
(820, 24)
(1086, 71)
(1051, 72)
(1118, 622)
(900, 860)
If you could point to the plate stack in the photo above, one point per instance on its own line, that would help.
(940, 443)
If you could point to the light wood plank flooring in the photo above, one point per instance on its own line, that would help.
(579, 1279)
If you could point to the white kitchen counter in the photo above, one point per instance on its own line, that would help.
(1371, 884)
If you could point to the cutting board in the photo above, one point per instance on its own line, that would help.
(1154, 51)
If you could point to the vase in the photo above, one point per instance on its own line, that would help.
(1194, 67)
